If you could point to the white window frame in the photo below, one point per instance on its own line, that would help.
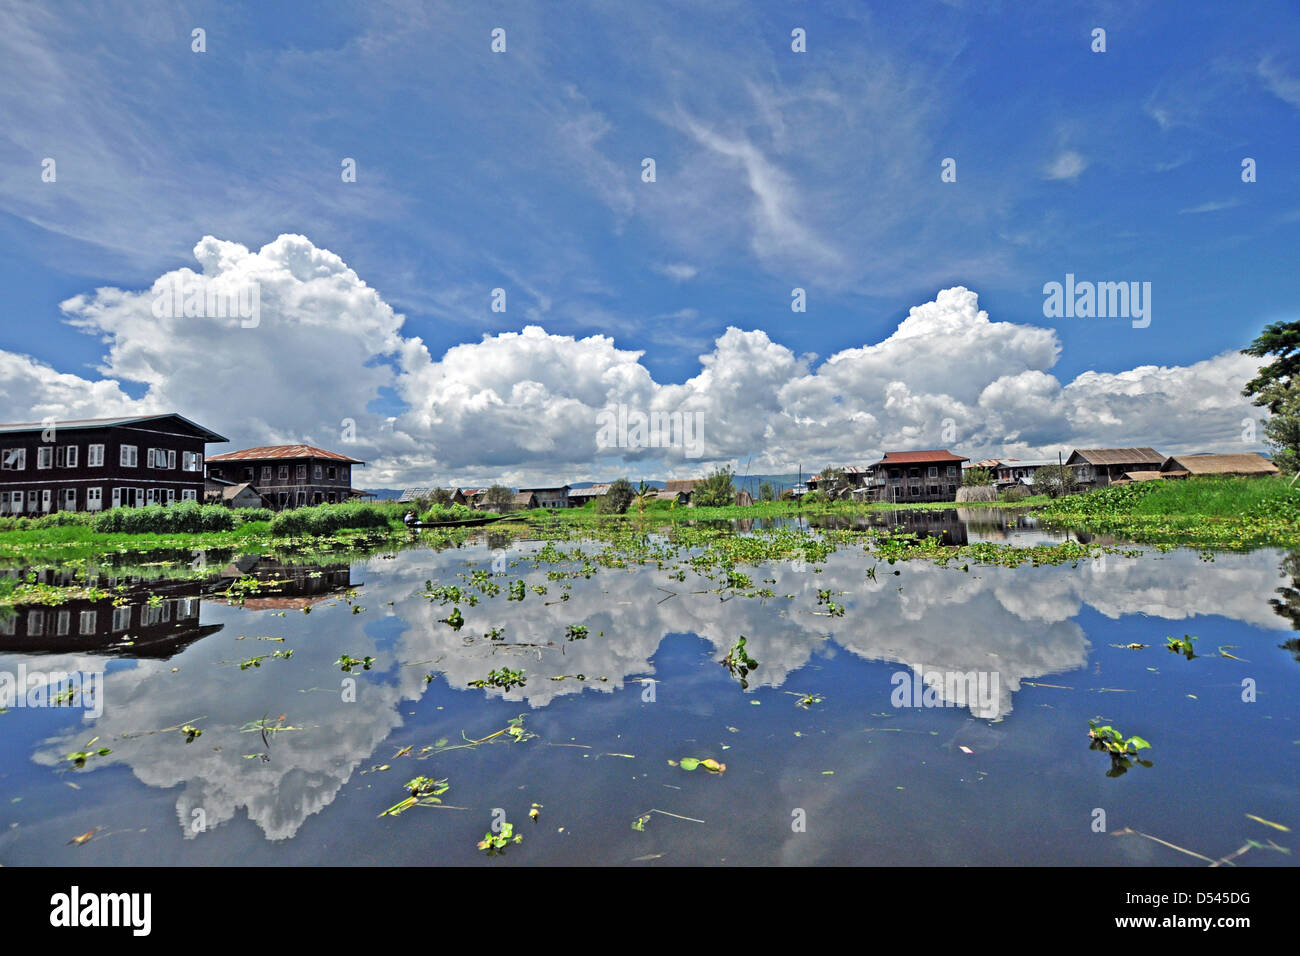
(128, 456)
(44, 457)
(317, 473)
(63, 623)
(283, 473)
(94, 456)
(86, 622)
(189, 494)
(302, 471)
(72, 455)
(13, 459)
(171, 459)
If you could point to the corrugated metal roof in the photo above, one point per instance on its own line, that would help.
(268, 452)
(410, 494)
(912, 457)
(1246, 463)
(1119, 456)
(109, 422)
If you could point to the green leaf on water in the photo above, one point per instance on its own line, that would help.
(688, 763)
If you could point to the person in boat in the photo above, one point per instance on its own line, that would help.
(410, 518)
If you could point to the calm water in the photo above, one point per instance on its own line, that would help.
(852, 778)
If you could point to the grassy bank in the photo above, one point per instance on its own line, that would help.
(1213, 511)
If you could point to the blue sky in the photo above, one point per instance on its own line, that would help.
(774, 170)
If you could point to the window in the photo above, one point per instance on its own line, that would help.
(127, 456)
(283, 473)
(302, 471)
(86, 623)
(331, 473)
(63, 623)
(249, 473)
(35, 623)
(934, 491)
(932, 472)
(171, 459)
(914, 472)
(266, 473)
(149, 459)
(45, 457)
(8, 624)
(94, 499)
(188, 494)
(316, 472)
(14, 459)
(95, 456)
(171, 496)
(121, 618)
(193, 461)
(952, 489)
(952, 471)
(915, 491)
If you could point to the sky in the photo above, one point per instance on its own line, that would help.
(461, 264)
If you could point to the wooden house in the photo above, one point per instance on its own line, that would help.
(549, 497)
(96, 463)
(579, 497)
(290, 476)
(914, 476)
(1098, 467)
(680, 492)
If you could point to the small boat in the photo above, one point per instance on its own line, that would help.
(461, 523)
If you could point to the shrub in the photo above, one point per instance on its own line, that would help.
(1016, 493)
(245, 515)
(616, 500)
(449, 512)
(188, 517)
(327, 519)
(715, 491)
(814, 497)
(976, 476)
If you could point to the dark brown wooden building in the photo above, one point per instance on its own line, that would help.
(290, 476)
(96, 463)
(910, 476)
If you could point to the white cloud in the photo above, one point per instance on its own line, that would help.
(678, 271)
(523, 406)
(1067, 165)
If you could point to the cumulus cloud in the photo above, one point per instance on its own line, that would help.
(525, 406)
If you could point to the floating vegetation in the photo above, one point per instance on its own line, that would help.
(257, 661)
(642, 819)
(455, 619)
(691, 763)
(516, 591)
(1181, 645)
(346, 662)
(422, 791)
(494, 844)
(504, 678)
(576, 632)
(1122, 750)
(739, 662)
(805, 701)
(79, 757)
(191, 733)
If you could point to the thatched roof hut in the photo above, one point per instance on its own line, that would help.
(1244, 463)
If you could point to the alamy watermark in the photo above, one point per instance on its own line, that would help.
(621, 427)
(923, 687)
(78, 689)
(1099, 300)
(177, 299)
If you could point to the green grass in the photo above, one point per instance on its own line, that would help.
(1217, 511)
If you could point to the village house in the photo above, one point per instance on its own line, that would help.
(1248, 464)
(855, 479)
(549, 497)
(1014, 471)
(679, 492)
(96, 463)
(290, 476)
(912, 476)
(579, 497)
(1098, 467)
(233, 494)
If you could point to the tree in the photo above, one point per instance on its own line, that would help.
(833, 482)
(498, 498)
(616, 500)
(766, 492)
(715, 491)
(1270, 385)
(643, 494)
(976, 476)
(1055, 480)
(1282, 431)
(441, 496)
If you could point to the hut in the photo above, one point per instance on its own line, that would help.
(1098, 467)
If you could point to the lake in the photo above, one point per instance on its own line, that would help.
(914, 713)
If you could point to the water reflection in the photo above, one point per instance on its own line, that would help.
(1018, 623)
